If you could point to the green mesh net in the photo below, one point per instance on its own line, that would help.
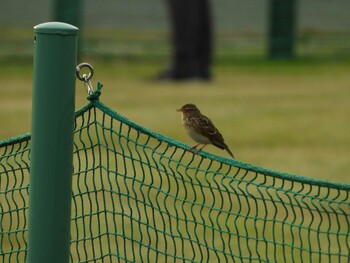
(139, 196)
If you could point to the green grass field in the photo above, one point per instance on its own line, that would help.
(287, 116)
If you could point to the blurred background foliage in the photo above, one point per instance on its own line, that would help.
(139, 28)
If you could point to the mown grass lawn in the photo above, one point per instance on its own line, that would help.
(288, 116)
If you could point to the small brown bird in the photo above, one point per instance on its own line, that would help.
(201, 129)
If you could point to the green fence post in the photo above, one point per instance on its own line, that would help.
(282, 28)
(68, 11)
(50, 192)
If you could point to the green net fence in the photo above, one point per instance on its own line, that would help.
(139, 196)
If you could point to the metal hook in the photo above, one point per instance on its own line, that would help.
(86, 78)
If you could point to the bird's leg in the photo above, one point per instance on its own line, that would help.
(193, 147)
(201, 148)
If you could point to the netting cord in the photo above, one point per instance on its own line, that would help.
(96, 94)
(94, 102)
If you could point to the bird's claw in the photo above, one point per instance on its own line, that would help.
(195, 150)
(193, 147)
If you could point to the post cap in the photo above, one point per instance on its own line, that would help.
(56, 28)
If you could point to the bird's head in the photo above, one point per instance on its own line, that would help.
(189, 110)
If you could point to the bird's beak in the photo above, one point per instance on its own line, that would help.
(179, 110)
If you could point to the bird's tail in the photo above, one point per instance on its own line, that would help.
(222, 145)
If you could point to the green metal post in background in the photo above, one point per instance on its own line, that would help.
(55, 55)
(282, 28)
(68, 11)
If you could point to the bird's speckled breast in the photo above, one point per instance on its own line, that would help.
(197, 137)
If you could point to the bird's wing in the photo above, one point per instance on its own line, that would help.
(206, 127)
